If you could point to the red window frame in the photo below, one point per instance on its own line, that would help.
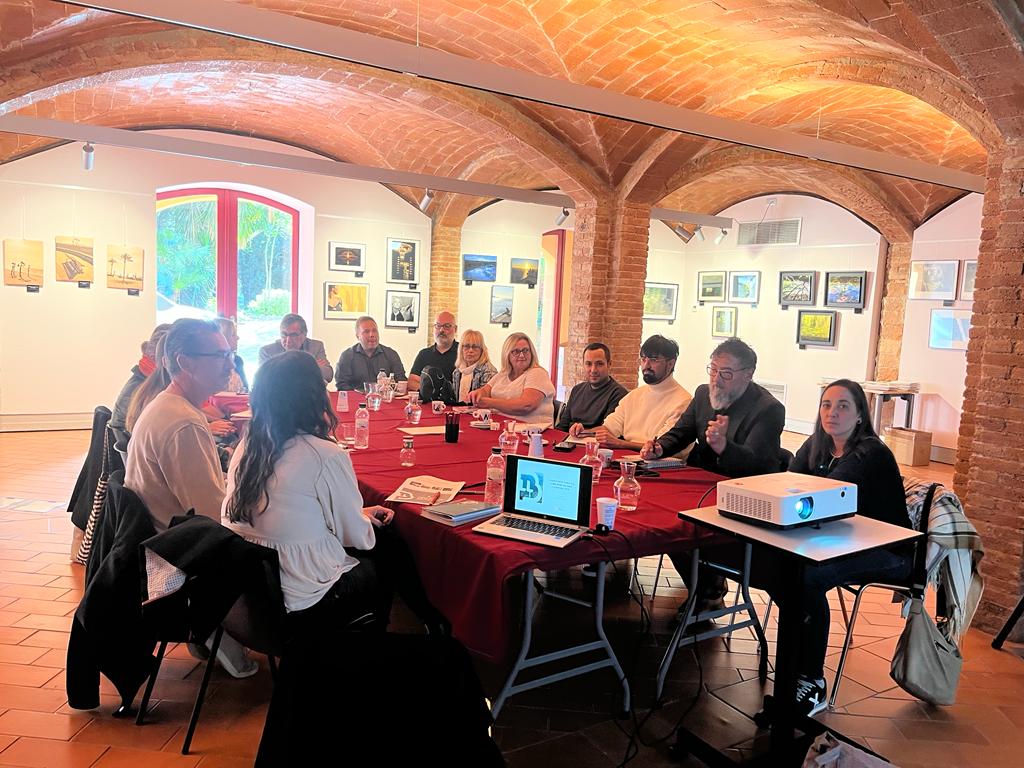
(227, 241)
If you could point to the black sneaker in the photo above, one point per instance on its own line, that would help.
(811, 696)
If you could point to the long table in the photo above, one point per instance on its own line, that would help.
(466, 574)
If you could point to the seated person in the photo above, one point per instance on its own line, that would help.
(172, 463)
(238, 382)
(441, 355)
(140, 372)
(650, 409)
(362, 362)
(734, 426)
(293, 336)
(844, 447)
(292, 488)
(522, 388)
(473, 367)
(590, 401)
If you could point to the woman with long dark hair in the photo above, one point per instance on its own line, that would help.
(292, 488)
(844, 447)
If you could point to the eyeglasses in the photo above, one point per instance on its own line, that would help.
(725, 374)
(473, 346)
(446, 326)
(223, 354)
(292, 335)
(651, 359)
(519, 352)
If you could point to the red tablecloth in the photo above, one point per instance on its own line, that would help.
(465, 572)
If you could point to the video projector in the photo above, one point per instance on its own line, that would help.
(786, 499)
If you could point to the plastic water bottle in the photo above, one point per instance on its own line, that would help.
(494, 487)
(362, 427)
(407, 456)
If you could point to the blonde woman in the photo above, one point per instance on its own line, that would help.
(522, 388)
(473, 367)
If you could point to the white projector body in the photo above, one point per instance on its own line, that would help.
(786, 499)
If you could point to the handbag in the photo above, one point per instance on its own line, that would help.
(926, 664)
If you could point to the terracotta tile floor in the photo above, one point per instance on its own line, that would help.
(567, 724)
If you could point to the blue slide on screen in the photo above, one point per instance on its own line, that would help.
(547, 489)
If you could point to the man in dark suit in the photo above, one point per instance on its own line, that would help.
(736, 425)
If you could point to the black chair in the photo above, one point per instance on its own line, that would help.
(1011, 622)
(81, 503)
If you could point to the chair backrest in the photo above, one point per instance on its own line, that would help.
(257, 619)
(785, 459)
(557, 406)
(920, 570)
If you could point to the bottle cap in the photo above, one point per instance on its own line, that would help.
(407, 442)
(362, 405)
(495, 449)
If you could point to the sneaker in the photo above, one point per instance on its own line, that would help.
(234, 659)
(810, 696)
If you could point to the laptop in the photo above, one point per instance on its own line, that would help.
(546, 502)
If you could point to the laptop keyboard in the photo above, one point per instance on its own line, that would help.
(533, 526)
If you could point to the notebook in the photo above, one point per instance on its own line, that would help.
(546, 502)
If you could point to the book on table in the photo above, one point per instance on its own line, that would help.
(459, 512)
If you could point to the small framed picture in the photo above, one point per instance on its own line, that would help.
(933, 280)
(967, 280)
(479, 267)
(23, 263)
(346, 257)
(402, 309)
(524, 271)
(501, 304)
(345, 301)
(816, 328)
(660, 301)
(723, 322)
(744, 287)
(403, 260)
(949, 329)
(845, 289)
(711, 286)
(797, 288)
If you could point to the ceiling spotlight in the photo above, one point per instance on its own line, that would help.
(699, 233)
(427, 197)
(560, 219)
(682, 233)
(721, 236)
(88, 156)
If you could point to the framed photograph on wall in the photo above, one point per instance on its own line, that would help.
(711, 286)
(23, 262)
(816, 328)
(74, 259)
(845, 289)
(798, 288)
(401, 309)
(126, 264)
(501, 304)
(933, 280)
(744, 287)
(967, 279)
(660, 301)
(524, 271)
(403, 260)
(346, 301)
(949, 328)
(723, 322)
(479, 267)
(346, 257)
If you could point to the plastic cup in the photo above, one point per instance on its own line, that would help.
(348, 434)
(607, 506)
(403, 387)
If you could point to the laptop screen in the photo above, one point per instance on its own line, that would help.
(550, 490)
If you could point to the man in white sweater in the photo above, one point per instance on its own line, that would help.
(650, 409)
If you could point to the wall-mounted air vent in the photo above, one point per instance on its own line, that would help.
(778, 232)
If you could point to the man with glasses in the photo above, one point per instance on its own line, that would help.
(293, 336)
(360, 363)
(734, 426)
(648, 410)
(592, 400)
(441, 355)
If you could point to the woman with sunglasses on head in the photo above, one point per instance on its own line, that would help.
(473, 367)
(292, 488)
(522, 388)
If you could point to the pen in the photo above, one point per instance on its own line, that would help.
(587, 433)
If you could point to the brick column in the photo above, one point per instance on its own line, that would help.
(609, 264)
(989, 472)
(445, 266)
(894, 286)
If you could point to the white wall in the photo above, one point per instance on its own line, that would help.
(831, 239)
(507, 230)
(65, 349)
(952, 234)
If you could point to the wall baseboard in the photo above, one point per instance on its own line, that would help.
(943, 455)
(44, 422)
(799, 426)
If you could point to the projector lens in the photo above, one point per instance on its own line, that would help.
(804, 507)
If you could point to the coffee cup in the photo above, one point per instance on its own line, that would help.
(402, 387)
(606, 456)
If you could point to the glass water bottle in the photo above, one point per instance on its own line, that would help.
(627, 487)
(407, 456)
(592, 459)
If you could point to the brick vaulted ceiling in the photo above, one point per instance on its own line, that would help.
(862, 72)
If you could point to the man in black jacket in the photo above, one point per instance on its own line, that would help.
(736, 425)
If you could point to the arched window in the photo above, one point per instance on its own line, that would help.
(229, 253)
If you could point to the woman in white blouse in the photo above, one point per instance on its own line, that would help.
(292, 488)
(522, 388)
(473, 366)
